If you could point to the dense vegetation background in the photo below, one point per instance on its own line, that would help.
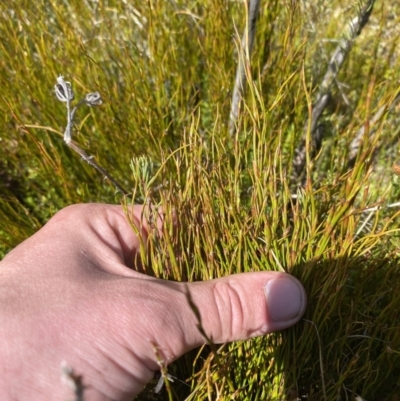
(276, 193)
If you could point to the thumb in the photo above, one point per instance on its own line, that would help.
(237, 307)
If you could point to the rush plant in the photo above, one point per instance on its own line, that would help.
(287, 167)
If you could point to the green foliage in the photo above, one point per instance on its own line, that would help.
(165, 70)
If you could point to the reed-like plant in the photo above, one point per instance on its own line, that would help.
(272, 186)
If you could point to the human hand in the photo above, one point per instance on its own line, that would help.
(67, 294)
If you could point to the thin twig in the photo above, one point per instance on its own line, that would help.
(244, 55)
(90, 160)
(337, 59)
(376, 208)
(371, 211)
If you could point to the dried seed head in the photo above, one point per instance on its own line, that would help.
(63, 90)
(93, 99)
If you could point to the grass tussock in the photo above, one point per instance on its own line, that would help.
(165, 70)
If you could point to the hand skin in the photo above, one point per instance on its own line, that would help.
(67, 294)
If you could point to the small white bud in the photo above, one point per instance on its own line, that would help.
(93, 99)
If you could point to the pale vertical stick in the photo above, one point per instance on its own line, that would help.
(244, 55)
(335, 63)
